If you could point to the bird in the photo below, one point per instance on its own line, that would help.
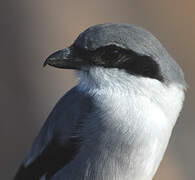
(115, 124)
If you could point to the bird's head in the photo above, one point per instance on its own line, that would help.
(119, 53)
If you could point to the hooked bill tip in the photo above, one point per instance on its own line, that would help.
(49, 61)
(45, 63)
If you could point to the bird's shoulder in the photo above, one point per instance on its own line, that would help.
(57, 138)
(69, 111)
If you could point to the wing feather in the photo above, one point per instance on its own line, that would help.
(59, 140)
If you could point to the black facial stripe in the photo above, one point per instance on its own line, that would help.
(82, 53)
(127, 60)
(142, 66)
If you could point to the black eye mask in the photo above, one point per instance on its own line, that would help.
(116, 57)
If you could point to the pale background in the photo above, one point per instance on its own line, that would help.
(31, 30)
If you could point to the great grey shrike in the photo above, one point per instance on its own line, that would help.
(116, 123)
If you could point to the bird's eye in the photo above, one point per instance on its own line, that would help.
(111, 54)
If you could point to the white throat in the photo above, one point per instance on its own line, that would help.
(111, 82)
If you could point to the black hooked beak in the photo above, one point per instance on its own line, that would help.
(64, 59)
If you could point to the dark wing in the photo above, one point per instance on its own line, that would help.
(59, 139)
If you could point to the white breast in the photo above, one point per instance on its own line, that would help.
(133, 132)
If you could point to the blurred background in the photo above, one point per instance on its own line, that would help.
(32, 30)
